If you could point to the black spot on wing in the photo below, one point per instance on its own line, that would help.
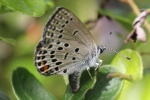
(50, 46)
(58, 63)
(60, 36)
(65, 71)
(40, 44)
(77, 50)
(43, 57)
(66, 55)
(57, 69)
(60, 48)
(50, 20)
(52, 52)
(52, 56)
(73, 58)
(66, 44)
(54, 60)
(75, 32)
(58, 42)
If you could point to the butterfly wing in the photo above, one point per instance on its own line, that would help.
(66, 43)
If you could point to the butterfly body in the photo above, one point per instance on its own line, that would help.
(66, 46)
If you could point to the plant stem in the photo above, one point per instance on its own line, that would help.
(120, 75)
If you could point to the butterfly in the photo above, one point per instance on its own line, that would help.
(66, 47)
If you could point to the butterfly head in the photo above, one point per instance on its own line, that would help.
(101, 49)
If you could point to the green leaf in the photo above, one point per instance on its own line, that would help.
(3, 96)
(50, 3)
(139, 90)
(100, 88)
(35, 8)
(133, 67)
(105, 88)
(86, 83)
(4, 9)
(8, 40)
(27, 87)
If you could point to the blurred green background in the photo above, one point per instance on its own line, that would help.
(21, 34)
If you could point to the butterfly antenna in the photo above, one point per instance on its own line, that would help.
(106, 37)
(106, 48)
(119, 53)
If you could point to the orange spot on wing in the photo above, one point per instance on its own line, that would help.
(45, 68)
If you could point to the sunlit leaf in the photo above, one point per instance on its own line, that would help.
(50, 3)
(139, 90)
(31, 7)
(133, 67)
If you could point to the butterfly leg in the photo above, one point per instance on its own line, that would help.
(88, 68)
(98, 63)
